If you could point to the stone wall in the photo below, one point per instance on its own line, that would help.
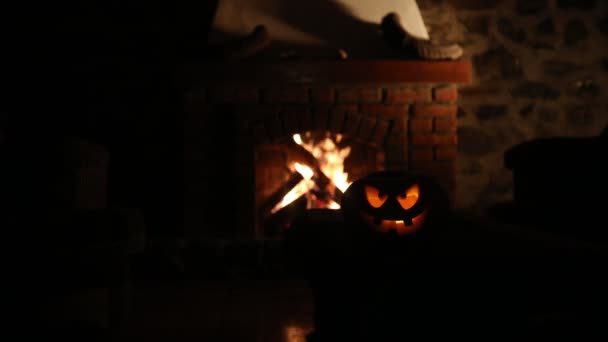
(540, 69)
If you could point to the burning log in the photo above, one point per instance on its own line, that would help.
(266, 208)
(324, 193)
(318, 183)
(327, 186)
(297, 153)
(280, 221)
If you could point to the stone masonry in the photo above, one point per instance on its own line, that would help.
(540, 70)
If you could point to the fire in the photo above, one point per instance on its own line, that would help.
(304, 170)
(295, 333)
(304, 186)
(333, 205)
(330, 160)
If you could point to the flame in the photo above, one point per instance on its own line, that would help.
(298, 139)
(333, 205)
(331, 158)
(304, 170)
(303, 186)
(295, 333)
(331, 162)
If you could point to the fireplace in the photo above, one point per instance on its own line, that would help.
(305, 171)
(241, 118)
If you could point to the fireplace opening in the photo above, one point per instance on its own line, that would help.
(308, 170)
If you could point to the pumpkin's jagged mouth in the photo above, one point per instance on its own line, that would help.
(388, 224)
(400, 226)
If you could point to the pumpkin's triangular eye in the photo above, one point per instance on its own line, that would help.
(410, 197)
(374, 197)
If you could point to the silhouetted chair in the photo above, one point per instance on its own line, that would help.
(559, 184)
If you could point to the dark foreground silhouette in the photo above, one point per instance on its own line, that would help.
(468, 281)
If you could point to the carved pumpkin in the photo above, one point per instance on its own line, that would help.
(393, 202)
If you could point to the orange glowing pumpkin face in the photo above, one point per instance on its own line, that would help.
(391, 202)
(403, 224)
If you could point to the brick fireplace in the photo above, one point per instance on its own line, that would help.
(404, 113)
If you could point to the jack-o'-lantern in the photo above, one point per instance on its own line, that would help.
(393, 202)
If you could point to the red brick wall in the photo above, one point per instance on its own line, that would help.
(416, 124)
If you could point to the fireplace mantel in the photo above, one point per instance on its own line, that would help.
(328, 72)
